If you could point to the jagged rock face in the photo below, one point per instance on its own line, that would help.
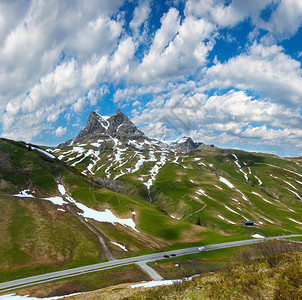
(95, 125)
(204, 147)
(185, 145)
(120, 126)
(115, 126)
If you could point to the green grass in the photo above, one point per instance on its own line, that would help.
(192, 264)
(173, 192)
(86, 282)
(35, 236)
(156, 225)
(272, 277)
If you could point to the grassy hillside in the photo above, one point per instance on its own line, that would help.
(44, 230)
(276, 277)
(211, 187)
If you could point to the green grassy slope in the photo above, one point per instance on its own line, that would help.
(273, 200)
(39, 236)
(276, 277)
(196, 188)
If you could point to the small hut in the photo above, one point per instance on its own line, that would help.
(247, 223)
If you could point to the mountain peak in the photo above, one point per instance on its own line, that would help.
(120, 127)
(185, 144)
(117, 125)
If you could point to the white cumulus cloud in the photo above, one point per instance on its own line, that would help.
(60, 131)
(263, 68)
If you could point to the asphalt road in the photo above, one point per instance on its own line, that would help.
(10, 285)
(151, 272)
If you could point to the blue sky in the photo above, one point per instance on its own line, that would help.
(226, 73)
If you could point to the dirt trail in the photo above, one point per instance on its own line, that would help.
(100, 236)
(71, 207)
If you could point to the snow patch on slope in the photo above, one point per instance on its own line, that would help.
(290, 184)
(239, 167)
(154, 171)
(225, 181)
(160, 282)
(56, 200)
(102, 216)
(24, 194)
(294, 193)
(259, 181)
(293, 220)
(155, 283)
(44, 152)
(285, 170)
(201, 192)
(242, 195)
(222, 218)
(257, 236)
(119, 245)
(262, 198)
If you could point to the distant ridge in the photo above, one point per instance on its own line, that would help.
(118, 126)
(186, 144)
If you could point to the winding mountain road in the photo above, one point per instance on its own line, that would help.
(28, 281)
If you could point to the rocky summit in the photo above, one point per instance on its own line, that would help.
(186, 144)
(117, 126)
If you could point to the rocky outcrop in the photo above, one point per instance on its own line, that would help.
(117, 126)
(120, 126)
(113, 185)
(185, 145)
(96, 126)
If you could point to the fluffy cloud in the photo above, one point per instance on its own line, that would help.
(60, 131)
(286, 142)
(233, 117)
(178, 48)
(122, 56)
(234, 107)
(157, 130)
(285, 16)
(57, 59)
(242, 108)
(50, 31)
(263, 68)
(224, 14)
(52, 56)
(285, 20)
(140, 15)
(93, 70)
